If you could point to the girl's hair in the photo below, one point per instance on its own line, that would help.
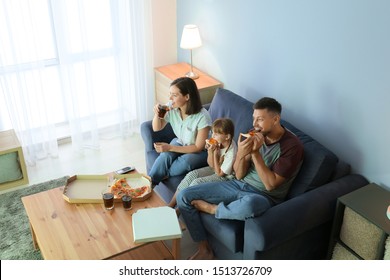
(188, 86)
(223, 126)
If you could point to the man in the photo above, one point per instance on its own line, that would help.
(266, 164)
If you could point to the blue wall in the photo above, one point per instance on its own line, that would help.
(327, 62)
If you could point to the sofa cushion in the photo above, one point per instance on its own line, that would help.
(233, 231)
(168, 187)
(318, 164)
(227, 104)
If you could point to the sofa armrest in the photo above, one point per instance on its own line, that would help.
(149, 136)
(297, 215)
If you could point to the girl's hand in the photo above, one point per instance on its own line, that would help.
(212, 147)
(162, 147)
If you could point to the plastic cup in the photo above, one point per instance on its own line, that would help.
(108, 199)
(126, 201)
(162, 110)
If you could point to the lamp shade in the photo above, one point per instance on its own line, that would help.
(190, 39)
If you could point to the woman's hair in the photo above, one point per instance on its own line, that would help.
(188, 86)
(223, 126)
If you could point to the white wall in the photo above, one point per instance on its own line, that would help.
(328, 62)
(164, 32)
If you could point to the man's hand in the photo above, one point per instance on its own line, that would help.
(258, 141)
(244, 146)
(242, 162)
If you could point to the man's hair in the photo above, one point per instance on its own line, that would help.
(188, 86)
(268, 103)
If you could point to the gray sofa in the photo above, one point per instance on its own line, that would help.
(298, 228)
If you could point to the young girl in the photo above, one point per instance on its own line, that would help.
(221, 153)
(191, 124)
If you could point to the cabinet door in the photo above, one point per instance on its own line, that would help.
(162, 88)
(360, 227)
(359, 237)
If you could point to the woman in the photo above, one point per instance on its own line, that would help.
(191, 124)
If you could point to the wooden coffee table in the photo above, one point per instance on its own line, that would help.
(88, 231)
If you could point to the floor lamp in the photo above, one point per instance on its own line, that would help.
(190, 39)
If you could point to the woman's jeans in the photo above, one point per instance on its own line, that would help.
(169, 164)
(235, 200)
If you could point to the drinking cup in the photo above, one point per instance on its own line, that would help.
(108, 199)
(162, 110)
(126, 201)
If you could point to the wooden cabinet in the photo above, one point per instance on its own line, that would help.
(9, 144)
(164, 75)
(361, 228)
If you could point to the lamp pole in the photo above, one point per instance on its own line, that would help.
(192, 74)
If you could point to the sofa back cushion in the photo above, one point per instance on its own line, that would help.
(318, 164)
(227, 104)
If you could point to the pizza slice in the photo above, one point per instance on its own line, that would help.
(250, 133)
(118, 189)
(212, 141)
(121, 187)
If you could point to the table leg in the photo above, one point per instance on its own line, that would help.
(34, 238)
(176, 248)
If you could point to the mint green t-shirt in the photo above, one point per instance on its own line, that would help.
(186, 130)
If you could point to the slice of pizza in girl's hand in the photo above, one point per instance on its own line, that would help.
(212, 141)
(137, 191)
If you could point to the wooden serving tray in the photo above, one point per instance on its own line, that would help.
(89, 188)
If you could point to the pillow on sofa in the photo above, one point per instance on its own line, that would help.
(318, 164)
(227, 104)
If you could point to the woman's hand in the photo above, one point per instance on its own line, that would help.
(157, 123)
(156, 110)
(162, 147)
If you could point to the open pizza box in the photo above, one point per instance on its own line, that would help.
(90, 188)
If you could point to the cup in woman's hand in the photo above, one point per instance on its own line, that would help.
(162, 110)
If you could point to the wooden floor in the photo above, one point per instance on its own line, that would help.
(113, 154)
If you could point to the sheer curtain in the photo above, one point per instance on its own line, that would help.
(78, 68)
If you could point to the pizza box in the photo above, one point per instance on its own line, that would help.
(157, 223)
(89, 188)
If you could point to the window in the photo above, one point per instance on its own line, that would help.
(73, 68)
(27, 34)
(60, 58)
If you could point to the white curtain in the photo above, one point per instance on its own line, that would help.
(79, 68)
